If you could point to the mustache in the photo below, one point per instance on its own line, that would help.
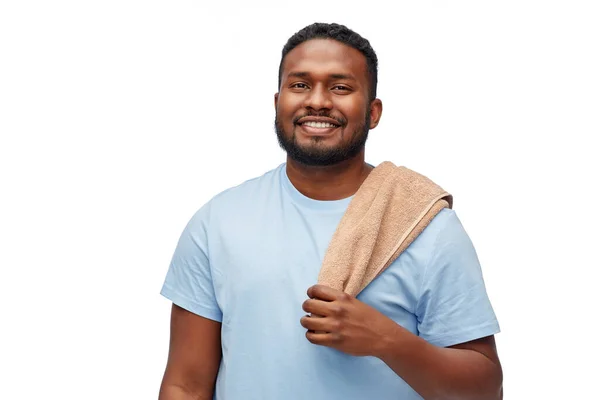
(340, 121)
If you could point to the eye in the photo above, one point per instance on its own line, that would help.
(299, 85)
(341, 88)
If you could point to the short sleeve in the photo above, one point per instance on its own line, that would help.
(188, 283)
(453, 306)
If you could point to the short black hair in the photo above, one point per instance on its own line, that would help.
(342, 34)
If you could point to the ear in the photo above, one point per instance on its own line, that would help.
(376, 107)
(276, 100)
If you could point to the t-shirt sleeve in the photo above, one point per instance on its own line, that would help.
(188, 283)
(453, 306)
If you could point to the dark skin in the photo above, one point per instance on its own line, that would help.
(194, 357)
(324, 76)
(466, 371)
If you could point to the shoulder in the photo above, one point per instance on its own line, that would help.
(420, 253)
(444, 239)
(239, 199)
(247, 193)
(447, 243)
(250, 186)
(442, 228)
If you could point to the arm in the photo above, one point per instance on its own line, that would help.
(452, 307)
(194, 357)
(195, 344)
(466, 371)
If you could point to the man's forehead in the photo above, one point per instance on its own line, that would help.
(332, 75)
(325, 56)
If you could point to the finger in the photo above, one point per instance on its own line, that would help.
(318, 324)
(320, 338)
(325, 293)
(317, 307)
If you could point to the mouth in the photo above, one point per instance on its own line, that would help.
(312, 126)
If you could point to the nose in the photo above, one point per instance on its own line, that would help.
(318, 98)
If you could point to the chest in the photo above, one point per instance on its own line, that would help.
(266, 265)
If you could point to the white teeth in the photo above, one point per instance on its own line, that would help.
(313, 124)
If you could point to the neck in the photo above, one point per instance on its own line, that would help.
(332, 182)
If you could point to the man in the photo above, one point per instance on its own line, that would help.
(248, 321)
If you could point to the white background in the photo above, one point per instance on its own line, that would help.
(119, 119)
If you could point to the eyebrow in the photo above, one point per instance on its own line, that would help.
(332, 76)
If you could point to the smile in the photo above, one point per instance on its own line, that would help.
(321, 129)
(314, 124)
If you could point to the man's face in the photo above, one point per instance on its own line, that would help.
(323, 113)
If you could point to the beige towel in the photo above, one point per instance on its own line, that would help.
(390, 209)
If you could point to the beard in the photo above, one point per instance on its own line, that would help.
(319, 156)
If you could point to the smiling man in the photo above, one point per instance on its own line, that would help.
(242, 279)
(325, 104)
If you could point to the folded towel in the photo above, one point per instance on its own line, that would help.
(390, 209)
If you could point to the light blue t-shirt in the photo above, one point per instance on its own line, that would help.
(246, 259)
